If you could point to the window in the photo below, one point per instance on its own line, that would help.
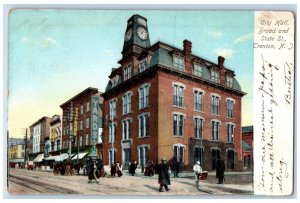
(127, 103)
(198, 128)
(179, 153)
(178, 62)
(230, 108)
(127, 156)
(215, 104)
(127, 72)
(198, 154)
(143, 65)
(215, 76)
(81, 109)
(215, 130)
(112, 132)
(112, 109)
(144, 96)
(198, 100)
(87, 122)
(88, 107)
(229, 81)
(112, 156)
(197, 69)
(80, 140)
(144, 125)
(178, 95)
(178, 124)
(126, 124)
(87, 139)
(230, 133)
(143, 155)
(230, 158)
(81, 125)
(215, 152)
(58, 145)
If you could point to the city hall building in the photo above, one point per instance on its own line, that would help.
(163, 101)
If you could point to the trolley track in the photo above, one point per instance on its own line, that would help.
(41, 187)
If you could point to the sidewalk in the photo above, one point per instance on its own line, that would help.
(210, 185)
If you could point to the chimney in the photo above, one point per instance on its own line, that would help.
(187, 51)
(222, 70)
(221, 60)
(187, 48)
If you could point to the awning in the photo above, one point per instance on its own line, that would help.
(17, 160)
(64, 156)
(80, 156)
(51, 158)
(39, 158)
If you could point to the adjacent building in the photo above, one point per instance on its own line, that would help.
(163, 101)
(39, 136)
(247, 143)
(82, 122)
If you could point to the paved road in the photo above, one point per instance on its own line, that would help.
(37, 182)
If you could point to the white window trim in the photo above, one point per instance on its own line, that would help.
(179, 113)
(109, 158)
(127, 94)
(142, 115)
(179, 145)
(215, 94)
(230, 148)
(145, 84)
(200, 147)
(217, 148)
(216, 120)
(230, 99)
(198, 90)
(139, 90)
(199, 117)
(179, 84)
(231, 123)
(125, 120)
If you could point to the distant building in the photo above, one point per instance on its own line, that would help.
(39, 137)
(16, 148)
(82, 122)
(163, 101)
(247, 143)
(55, 134)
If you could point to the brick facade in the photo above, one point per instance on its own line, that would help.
(162, 77)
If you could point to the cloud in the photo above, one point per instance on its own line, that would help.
(226, 53)
(46, 42)
(244, 38)
(216, 34)
(24, 40)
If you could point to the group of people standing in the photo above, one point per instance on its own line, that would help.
(162, 169)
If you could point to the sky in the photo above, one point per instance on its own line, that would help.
(55, 54)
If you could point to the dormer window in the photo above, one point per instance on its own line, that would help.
(127, 72)
(143, 65)
(215, 77)
(114, 80)
(197, 69)
(178, 62)
(229, 81)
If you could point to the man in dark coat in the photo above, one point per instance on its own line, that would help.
(132, 168)
(163, 175)
(220, 168)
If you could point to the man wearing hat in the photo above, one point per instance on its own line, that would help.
(197, 170)
(163, 175)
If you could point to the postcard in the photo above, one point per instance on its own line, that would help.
(150, 102)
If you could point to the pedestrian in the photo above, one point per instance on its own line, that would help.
(163, 175)
(220, 168)
(197, 171)
(175, 167)
(92, 172)
(113, 170)
(119, 169)
(132, 168)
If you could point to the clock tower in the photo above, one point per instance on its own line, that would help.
(136, 36)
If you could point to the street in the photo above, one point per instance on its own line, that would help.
(23, 181)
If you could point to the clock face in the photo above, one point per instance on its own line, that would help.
(142, 33)
(128, 35)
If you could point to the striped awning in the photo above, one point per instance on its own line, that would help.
(39, 158)
(80, 156)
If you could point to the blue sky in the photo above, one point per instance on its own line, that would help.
(55, 54)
